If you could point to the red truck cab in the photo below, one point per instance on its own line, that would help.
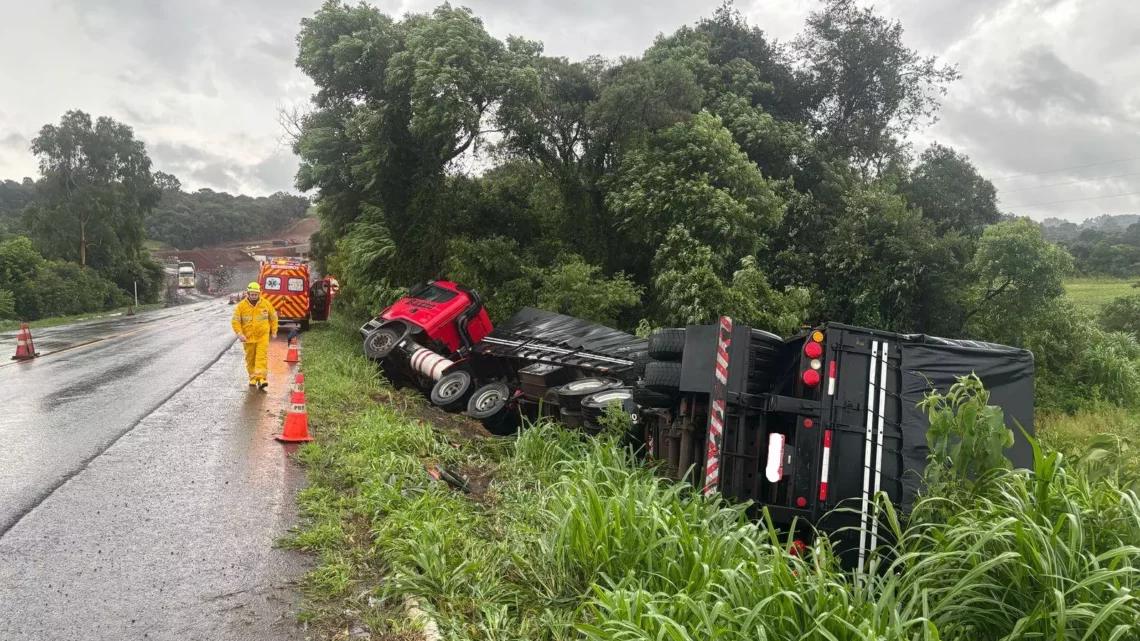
(441, 315)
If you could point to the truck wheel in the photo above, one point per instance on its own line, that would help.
(571, 394)
(663, 377)
(594, 406)
(491, 405)
(650, 399)
(667, 344)
(379, 343)
(305, 325)
(451, 392)
(488, 401)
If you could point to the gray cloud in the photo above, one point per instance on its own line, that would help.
(14, 140)
(1045, 82)
(1048, 84)
(197, 166)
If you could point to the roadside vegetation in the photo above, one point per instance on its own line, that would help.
(562, 537)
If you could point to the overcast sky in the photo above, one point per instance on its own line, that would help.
(1049, 85)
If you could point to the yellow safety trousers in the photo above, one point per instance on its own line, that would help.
(257, 322)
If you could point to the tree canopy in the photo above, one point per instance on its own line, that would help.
(720, 172)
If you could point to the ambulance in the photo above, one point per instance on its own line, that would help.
(297, 298)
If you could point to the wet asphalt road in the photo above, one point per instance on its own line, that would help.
(141, 490)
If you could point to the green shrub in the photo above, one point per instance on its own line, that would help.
(1122, 315)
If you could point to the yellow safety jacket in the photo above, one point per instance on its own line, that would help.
(255, 321)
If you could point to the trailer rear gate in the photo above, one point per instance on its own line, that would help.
(864, 432)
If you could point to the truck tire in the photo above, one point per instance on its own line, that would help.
(667, 344)
(571, 394)
(305, 325)
(663, 377)
(451, 392)
(649, 399)
(491, 405)
(379, 343)
(489, 401)
(594, 406)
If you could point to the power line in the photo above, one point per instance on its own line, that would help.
(1076, 200)
(1053, 171)
(1074, 182)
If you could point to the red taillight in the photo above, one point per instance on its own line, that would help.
(813, 350)
(801, 501)
(811, 378)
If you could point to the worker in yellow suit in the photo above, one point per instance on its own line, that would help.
(254, 321)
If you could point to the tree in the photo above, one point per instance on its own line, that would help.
(951, 192)
(167, 183)
(1017, 273)
(694, 176)
(871, 90)
(96, 189)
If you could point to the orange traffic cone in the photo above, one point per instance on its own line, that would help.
(299, 383)
(25, 351)
(293, 355)
(296, 428)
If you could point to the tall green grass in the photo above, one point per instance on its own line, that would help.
(575, 539)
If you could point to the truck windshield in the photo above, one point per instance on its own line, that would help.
(432, 294)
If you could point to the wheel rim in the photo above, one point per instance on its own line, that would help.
(610, 396)
(488, 399)
(585, 386)
(382, 341)
(451, 389)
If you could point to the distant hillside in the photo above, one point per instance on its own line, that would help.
(1059, 230)
(207, 218)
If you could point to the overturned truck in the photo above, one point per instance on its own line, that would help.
(440, 340)
(797, 425)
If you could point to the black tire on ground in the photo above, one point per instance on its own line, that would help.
(488, 401)
(451, 392)
(305, 325)
(650, 399)
(571, 394)
(379, 343)
(572, 418)
(663, 377)
(667, 344)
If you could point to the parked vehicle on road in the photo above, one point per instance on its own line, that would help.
(297, 299)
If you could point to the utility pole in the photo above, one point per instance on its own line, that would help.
(136, 292)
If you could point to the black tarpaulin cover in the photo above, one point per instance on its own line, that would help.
(569, 332)
(1006, 372)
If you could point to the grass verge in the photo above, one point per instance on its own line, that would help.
(7, 325)
(570, 539)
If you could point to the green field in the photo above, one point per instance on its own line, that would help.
(1092, 294)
